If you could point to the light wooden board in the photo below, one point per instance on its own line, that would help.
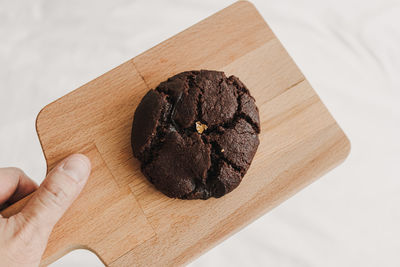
(119, 215)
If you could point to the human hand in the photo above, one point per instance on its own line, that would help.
(24, 236)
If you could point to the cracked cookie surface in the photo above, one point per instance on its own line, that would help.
(196, 134)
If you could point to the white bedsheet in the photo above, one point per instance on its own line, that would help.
(348, 49)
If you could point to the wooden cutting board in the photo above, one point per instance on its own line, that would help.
(119, 215)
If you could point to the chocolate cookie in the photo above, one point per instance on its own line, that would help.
(196, 134)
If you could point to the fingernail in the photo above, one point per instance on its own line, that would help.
(77, 167)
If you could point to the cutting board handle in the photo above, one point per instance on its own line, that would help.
(105, 218)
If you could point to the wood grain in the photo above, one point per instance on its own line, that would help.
(120, 216)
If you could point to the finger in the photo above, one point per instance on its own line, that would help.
(15, 185)
(60, 188)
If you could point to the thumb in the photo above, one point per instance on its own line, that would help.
(57, 192)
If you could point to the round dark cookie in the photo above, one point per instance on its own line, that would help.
(196, 134)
